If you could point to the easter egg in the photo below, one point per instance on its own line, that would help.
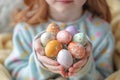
(81, 38)
(72, 29)
(76, 49)
(46, 37)
(65, 58)
(64, 37)
(52, 48)
(52, 27)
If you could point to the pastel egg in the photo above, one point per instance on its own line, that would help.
(65, 58)
(54, 28)
(72, 29)
(52, 48)
(76, 49)
(46, 37)
(64, 37)
(81, 38)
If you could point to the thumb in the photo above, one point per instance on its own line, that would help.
(38, 47)
(88, 49)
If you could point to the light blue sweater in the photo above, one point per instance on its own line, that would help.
(24, 65)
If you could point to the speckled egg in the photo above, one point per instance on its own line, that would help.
(54, 28)
(72, 29)
(64, 37)
(46, 37)
(76, 49)
(65, 58)
(52, 48)
(81, 38)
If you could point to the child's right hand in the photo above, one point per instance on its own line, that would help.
(50, 64)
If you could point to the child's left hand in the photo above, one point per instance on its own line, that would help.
(81, 63)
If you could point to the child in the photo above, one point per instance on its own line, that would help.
(89, 16)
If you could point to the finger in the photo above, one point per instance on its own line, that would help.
(54, 68)
(47, 60)
(74, 70)
(37, 42)
(71, 69)
(40, 51)
(38, 47)
(76, 65)
(88, 49)
(63, 73)
(80, 63)
(70, 74)
(57, 69)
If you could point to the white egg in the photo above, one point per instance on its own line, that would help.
(46, 37)
(65, 58)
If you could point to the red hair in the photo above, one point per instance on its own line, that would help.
(37, 11)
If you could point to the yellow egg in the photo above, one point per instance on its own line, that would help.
(52, 48)
(54, 28)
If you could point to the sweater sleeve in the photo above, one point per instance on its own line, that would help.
(22, 63)
(100, 63)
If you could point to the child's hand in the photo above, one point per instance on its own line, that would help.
(78, 65)
(50, 64)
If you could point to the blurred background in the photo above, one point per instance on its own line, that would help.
(7, 7)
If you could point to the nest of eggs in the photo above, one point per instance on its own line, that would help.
(66, 46)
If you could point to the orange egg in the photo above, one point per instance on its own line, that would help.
(54, 28)
(52, 48)
(76, 49)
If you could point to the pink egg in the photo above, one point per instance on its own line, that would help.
(72, 29)
(76, 49)
(64, 37)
